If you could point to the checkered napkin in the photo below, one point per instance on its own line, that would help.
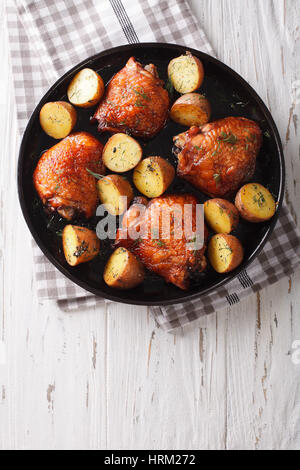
(48, 37)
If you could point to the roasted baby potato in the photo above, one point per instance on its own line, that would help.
(255, 203)
(191, 109)
(86, 89)
(221, 215)
(121, 153)
(80, 244)
(115, 192)
(58, 119)
(186, 73)
(225, 253)
(123, 270)
(153, 176)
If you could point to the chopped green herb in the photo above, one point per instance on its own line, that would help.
(136, 242)
(216, 151)
(139, 104)
(251, 138)
(260, 200)
(169, 87)
(227, 248)
(159, 242)
(228, 138)
(143, 95)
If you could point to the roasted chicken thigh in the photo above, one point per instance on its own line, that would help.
(135, 102)
(161, 247)
(220, 156)
(63, 177)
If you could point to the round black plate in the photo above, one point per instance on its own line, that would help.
(228, 94)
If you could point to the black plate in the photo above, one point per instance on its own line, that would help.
(229, 94)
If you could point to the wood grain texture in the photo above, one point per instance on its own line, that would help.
(108, 378)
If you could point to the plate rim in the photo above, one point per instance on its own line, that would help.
(188, 296)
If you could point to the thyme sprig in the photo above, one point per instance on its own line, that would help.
(96, 175)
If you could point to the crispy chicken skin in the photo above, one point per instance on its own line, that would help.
(220, 156)
(135, 102)
(61, 177)
(160, 251)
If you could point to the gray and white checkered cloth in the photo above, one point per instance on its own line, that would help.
(48, 37)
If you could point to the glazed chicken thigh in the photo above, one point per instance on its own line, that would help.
(220, 156)
(162, 250)
(62, 177)
(135, 102)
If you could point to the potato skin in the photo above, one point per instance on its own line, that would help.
(118, 183)
(180, 67)
(131, 274)
(53, 113)
(80, 244)
(243, 203)
(234, 256)
(222, 209)
(159, 171)
(95, 94)
(191, 109)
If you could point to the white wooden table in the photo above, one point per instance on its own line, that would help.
(109, 378)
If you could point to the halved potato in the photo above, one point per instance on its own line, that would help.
(121, 153)
(58, 119)
(80, 244)
(153, 176)
(86, 89)
(191, 109)
(186, 73)
(221, 215)
(225, 253)
(115, 193)
(123, 270)
(255, 203)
